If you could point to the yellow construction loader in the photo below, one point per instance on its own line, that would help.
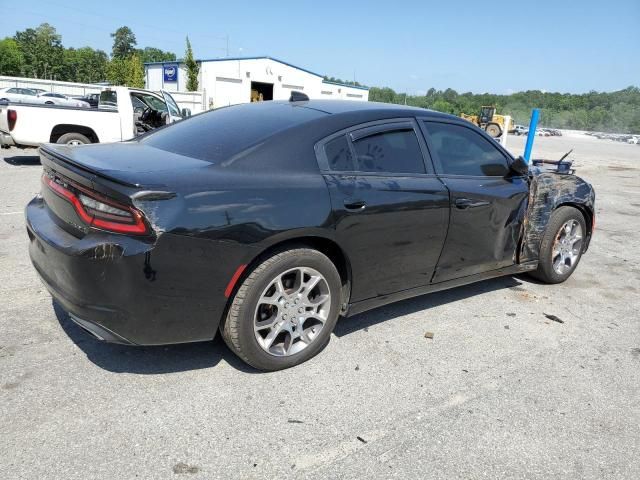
(491, 123)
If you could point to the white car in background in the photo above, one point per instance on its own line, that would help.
(19, 95)
(634, 140)
(59, 99)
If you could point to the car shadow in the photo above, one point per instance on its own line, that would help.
(153, 360)
(157, 360)
(20, 160)
(345, 326)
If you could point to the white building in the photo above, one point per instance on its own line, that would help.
(228, 81)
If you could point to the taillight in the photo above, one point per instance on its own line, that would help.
(12, 117)
(98, 211)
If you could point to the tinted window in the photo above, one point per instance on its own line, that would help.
(465, 152)
(220, 134)
(395, 151)
(338, 154)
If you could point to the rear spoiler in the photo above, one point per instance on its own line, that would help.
(48, 153)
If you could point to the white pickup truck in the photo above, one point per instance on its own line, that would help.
(122, 114)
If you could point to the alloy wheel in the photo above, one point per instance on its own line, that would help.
(292, 311)
(567, 247)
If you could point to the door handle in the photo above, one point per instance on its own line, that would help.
(355, 205)
(463, 203)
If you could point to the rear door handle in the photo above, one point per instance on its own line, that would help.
(355, 205)
(463, 203)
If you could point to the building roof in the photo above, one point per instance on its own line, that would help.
(261, 57)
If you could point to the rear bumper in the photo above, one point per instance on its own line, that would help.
(6, 140)
(128, 290)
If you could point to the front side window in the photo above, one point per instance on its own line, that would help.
(391, 151)
(465, 152)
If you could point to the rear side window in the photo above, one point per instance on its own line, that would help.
(465, 152)
(339, 155)
(392, 151)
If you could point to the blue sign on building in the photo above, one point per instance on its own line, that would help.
(170, 72)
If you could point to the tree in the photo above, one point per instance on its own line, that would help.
(124, 42)
(152, 54)
(117, 71)
(192, 69)
(42, 51)
(128, 71)
(135, 71)
(11, 58)
(84, 65)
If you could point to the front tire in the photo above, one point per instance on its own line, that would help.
(561, 247)
(285, 310)
(494, 130)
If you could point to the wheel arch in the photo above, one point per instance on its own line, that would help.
(64, 128)
(587, 213)
(323, 244)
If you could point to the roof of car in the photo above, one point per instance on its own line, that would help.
(348, 106)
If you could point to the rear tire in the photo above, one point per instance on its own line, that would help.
(277, 319)
(494, 130)
(558, 259)
(73, 139)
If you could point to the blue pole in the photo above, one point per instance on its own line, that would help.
(533, 124)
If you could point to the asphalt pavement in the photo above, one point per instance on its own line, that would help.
(501, 390)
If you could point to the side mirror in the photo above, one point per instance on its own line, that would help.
(186, 112)
(519, 166)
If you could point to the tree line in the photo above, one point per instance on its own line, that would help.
(39, 53)
(617, 111)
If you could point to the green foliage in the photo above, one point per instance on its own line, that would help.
(127, 71)
(42, 51)
(598, 111)
(192, 69)
(135, 70)
(344, 82)
(11, 58)
(124, 42)
(118, 71)
(84, 65)
(152, 54)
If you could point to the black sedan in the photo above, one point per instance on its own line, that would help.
(270, 220)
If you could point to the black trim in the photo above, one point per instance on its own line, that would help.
(364, 305)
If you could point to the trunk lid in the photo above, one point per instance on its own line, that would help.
(130, 164)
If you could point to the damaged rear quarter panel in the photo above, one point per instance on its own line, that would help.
(548, 191)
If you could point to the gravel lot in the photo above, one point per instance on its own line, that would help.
(500, 391)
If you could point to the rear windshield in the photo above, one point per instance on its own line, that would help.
(218, 135)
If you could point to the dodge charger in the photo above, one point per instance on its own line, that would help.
(269, 221)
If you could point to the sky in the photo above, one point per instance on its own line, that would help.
(410, 46)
